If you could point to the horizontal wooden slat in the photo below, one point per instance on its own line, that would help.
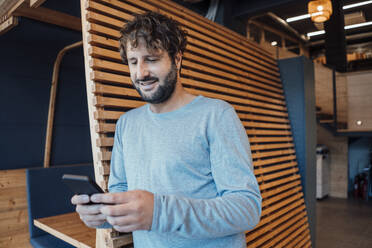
(269, 139)
(107, 115)
(274, 160)
(281, 204)
(253, 132)
(104, 142)
(276, 175)
(272, 153)
(255, 147)
(236, 100)
(271, 168)
(281, 196)
(278, 182)
(112, 102)
(265, 125)
(268, 193)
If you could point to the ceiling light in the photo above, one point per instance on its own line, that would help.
(297, 18)
(346, 28)
(359, 122)
(302, 17)
(358, 25)
(356, 4)
(316, 33)
(324, 7)
(274, 43)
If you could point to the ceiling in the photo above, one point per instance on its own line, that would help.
(358, 40)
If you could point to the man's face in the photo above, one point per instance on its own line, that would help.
(153, 73)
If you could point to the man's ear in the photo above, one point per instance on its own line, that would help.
(178, 60)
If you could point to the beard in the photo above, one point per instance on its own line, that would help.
(164, 91)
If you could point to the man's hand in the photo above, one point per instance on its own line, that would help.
(90, 214)
(130, 211)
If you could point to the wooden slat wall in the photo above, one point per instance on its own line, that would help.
(218, 63)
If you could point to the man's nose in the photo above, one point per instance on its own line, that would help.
(142, 71)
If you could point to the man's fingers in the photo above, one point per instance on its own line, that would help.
(80, 199)
(126, 229)
(122, 220)
(111, 198)
(92, 218)
(89, 209)
(117, 210)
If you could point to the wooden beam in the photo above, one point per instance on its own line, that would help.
(52, 101)
(8, 24)
(36, 3)
(50, 16)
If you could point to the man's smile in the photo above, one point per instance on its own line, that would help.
(148, 85)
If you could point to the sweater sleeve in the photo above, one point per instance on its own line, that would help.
(118, 180)
(237, 206)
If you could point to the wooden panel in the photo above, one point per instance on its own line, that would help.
(218, 63)
(69, 228)
(13, 209)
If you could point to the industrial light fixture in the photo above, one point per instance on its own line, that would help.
(324, 7)
(274, 43)
(346, 28)
(302, 17)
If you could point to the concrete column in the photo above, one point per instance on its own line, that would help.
(297, 75)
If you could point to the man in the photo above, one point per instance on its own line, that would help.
(181, 169)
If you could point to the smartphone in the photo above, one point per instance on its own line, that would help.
(81, 184)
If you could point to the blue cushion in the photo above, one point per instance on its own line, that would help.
(49, 241)
(47, 195)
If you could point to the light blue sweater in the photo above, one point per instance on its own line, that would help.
(197, 162)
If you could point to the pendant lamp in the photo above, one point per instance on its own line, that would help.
(320, 10)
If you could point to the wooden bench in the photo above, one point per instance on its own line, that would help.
(217, 63)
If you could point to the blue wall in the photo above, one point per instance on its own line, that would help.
(297, 75)
(27, 55)
(360, 150)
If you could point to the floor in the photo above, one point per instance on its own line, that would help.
(344, 223)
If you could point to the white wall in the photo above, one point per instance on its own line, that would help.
(338, 158)
(359, 100)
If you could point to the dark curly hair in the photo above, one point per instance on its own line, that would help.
(159, 32)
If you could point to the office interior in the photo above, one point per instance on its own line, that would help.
(323, 52)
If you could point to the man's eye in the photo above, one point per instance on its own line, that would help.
(132, 62)
(152, 60)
